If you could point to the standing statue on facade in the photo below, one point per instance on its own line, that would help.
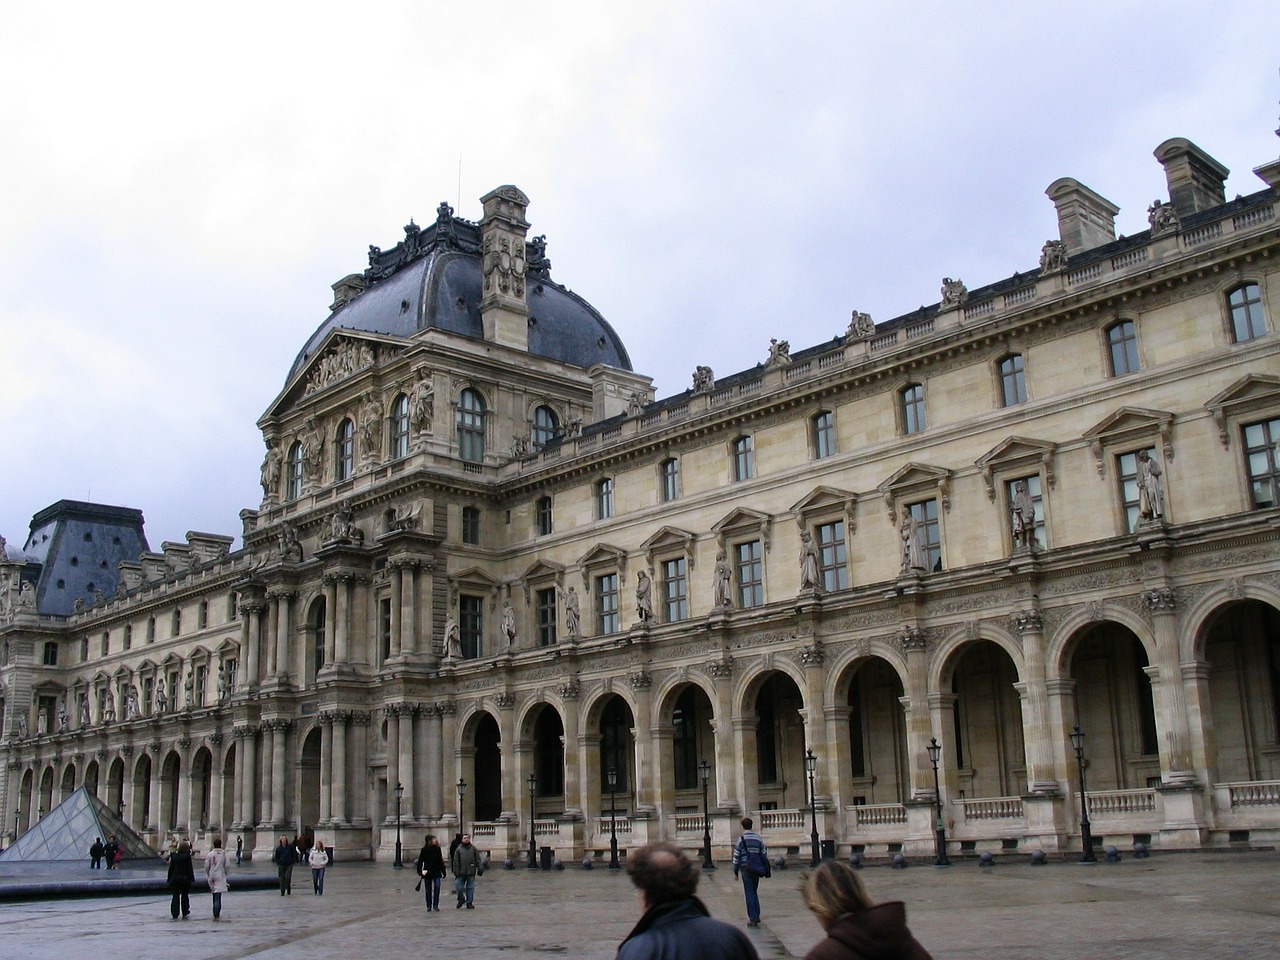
(810, 577)
(271, 469)
(1022, 517)
(312, 450)
(371, 429)
(1150, 488)
(189, 689)
(131, 711)
(644, 596)
(224, 685)
(84, 710)
(452, 639)
(162, 698)
(508, 626)
(108, 706)
(64, 721)
(42, 724)
(779, 353)
(912, 548)
(422, 403)
(723, 578)
(22, 726)
(572, 614)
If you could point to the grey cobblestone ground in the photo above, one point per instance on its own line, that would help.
(1202, 906)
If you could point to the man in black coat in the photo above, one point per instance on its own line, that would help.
(181, 876)
(286, 856)
(110, 852)
(675, 925)
(95, 853)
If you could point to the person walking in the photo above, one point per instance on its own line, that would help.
(430, 866)
(215, 868)
(95, 854)
(466, 865)
(239, 850)
(751, 862)
(675, 924)
(285, 857)
(181, 876)
(318, 859)
(856, 928)
(111, 853)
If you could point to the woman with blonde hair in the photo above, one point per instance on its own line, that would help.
(318, 859)
(857, 929)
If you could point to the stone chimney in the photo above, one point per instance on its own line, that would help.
(504, 311)
(1085, 219)
(1196, 180)
(346, 290)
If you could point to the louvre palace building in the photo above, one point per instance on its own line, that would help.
(494, 581)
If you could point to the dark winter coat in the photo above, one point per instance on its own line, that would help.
(181, 872)
(286, 855)
(877, 933)
(683, 930)
(430, 861)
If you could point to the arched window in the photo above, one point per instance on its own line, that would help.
(744, 458)
(471, 426)
(1013, 384)
(604, 498)
(545, 427)
(824, 434)
(911, 401)
(400, 427)
(343, 451)
(1246, 312)
(670, 471)
(293, 472)
(1122, 342)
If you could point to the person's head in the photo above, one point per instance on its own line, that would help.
(429, 839)
(834, 889)
(746, 823)
(661, 872)
(284, 841)
(217, 843)
(466, 839)
(184, 847)
(320, 845)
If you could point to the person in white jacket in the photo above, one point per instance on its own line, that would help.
(215, 868)
(318, 859)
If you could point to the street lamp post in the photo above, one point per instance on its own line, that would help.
(462, 792)
(17, 818)
(1086, 834)
(399, 864)
(613, 819)
(811, 767)
(939, 826)
(120, 812)
(533, 845)
(707, 863)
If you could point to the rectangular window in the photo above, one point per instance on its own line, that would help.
(543, 516)
(177, 622)
(1123, 343)
(1130, 494)
(1263, 459)
(202, 615)
(471, 526)
(912, 400)
(148, 694)
(201, 676)
(1013, 384)
(926, 517)
(1246, 312)
(824, 435)
(546, 607)
(106, 644)
(744, 459)
(684, 744)
(670, 479)
(50, 653)
(384, 627)
(1034, 523)
(607, 603)
(750, 567)
(604, 499)
(675, 590)
(832, 558)
(128, 636)
(471, 626)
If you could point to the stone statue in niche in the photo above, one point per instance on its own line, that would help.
(370, 428)
(1022, 517)
(189, 689)
(912, 547)
(644, 597)
(131, 711)
(452, 639)
(422, 402)
(342, 526)
(22, 726)
(704, 380)
(723, 577)
(1053, 256)
(779, 353)
(271, 465)
(26, 596)
(1163, 218)
(312, 449)
(954, 292)
(108, 708)
(572, 614)
(224, 686)
(1150, 488)
(507, 628)
(162, 698)
(84, 710)
(42, 724)
(64, 721)
(861, 327)
(290, 548)
(636, 403)
(810, 578)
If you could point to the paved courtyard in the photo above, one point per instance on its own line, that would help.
(1194, 905)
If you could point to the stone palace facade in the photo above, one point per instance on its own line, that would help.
(494, 579)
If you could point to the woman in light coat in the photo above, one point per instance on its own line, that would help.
(318, 859)
(215, 868)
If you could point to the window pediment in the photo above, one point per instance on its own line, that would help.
(915, 481)
(669, 540)
(603, 555)
(1130, 425)
(743, 520)
(1246, 396)
(1017, 455)
(824, 500)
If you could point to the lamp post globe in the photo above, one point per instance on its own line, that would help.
(399, 862)
(811, 767)
(1086, 833)
(939, 826)
(704, 770)
(533, 848)
(612, 776)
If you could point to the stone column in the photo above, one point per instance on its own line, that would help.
(251, 636)
(284, 602)
(279, 777)
(448, 753)
(342, 619)
(507, 732)
(942, 707)
(1175, 729)
(728, 795)
(393, 748)
(154, 821)
(1037, 734)
(326, 767)
(338, 788)
(812, 658)
(433, 770)
(408, 607)
(744, 727)
(217, 786)
(397, 595)
(569, 693)
(1195, 678)
(663, 775)
(836, 721)
(271, 623)
(406, 765)
(330, 619)
(642, 734)
(914, 644)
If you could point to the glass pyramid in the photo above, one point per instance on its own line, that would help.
(69, 829)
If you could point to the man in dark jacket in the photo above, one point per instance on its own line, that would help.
(95, 854)
(751, 861)
(286, 856)
(111, 853)
(675, 925)
(181, 876)
(466, 864)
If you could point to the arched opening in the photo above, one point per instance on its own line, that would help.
(617, 751)
(68, 782)
(227, 814)
(487, 769)
(170, 788)
(1115, 708)
(202, 812)
(316, 625)
(876, 762)
(91, 777)
(989, 757)
(548, 762)
(309, 771)
(26, 802)
(141, 817)
(1242, 647)
(692, 743)
(780, 778)
(45, 802)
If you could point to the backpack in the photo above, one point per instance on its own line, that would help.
(753, 860)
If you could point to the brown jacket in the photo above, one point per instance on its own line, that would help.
(878, 933)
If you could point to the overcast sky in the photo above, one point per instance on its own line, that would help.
(181, 183)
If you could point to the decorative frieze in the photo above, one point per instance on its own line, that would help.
(640, 681)
(1028, 621)
(720, 669)
(912, 638)
(1161, 600)
(505, 700)
(569, 691)
(811, 656)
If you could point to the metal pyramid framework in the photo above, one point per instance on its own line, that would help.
(69, 829)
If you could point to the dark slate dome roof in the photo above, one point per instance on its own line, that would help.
(432, 279)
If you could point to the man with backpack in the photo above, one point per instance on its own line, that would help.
(751, 861)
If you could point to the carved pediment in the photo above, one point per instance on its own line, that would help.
(544, 570)
(1252, 394)
(669, 540)
(1014, 455)
(340, 356)
(1130, 425)
(742, 520)
(228, 647)
(826, 500)
(915, 481)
